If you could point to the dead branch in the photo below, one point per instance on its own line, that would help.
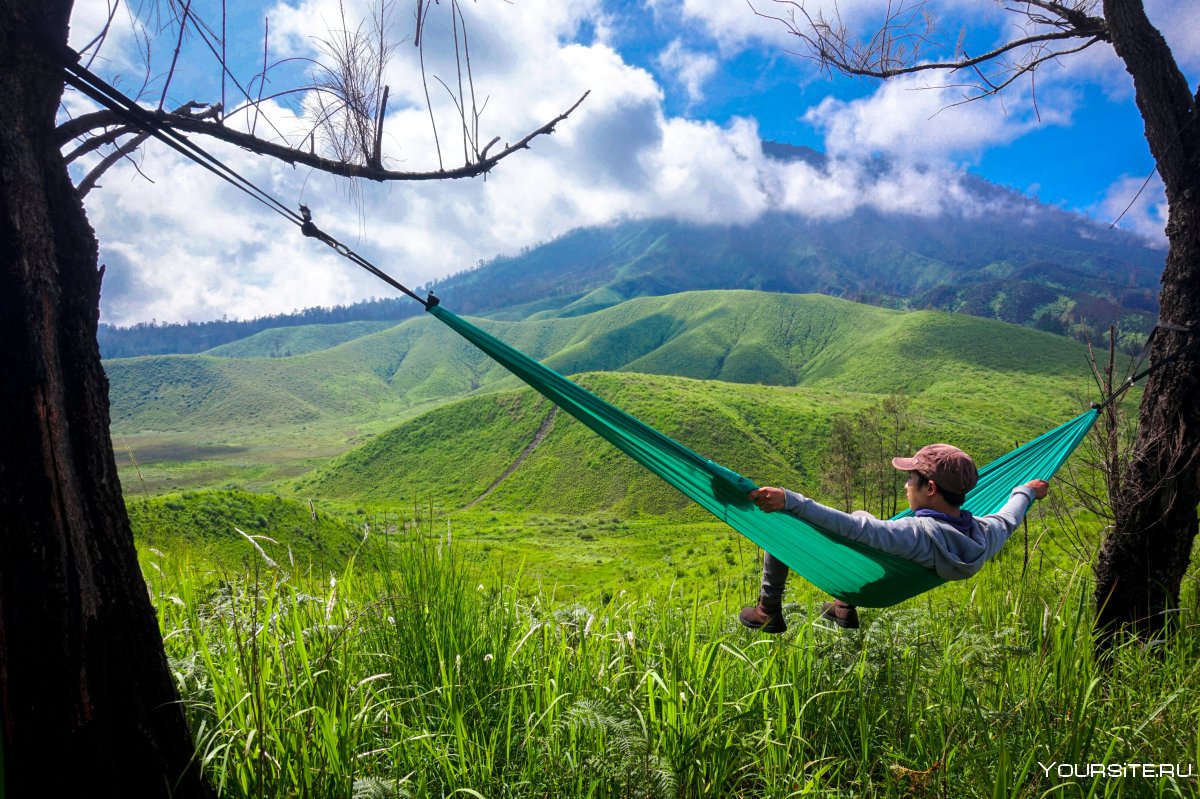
(188, 123)
(78, 126)
(99, 39)
(346, 92)
(125, 150)
(897, 46)
(183, 26)
(93, 143)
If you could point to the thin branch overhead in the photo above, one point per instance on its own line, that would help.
(192, 124)
(344, 101)
(905, 39)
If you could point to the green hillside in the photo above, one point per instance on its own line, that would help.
(203, 524)
(282, 342)
(735, 336)
(452, 455)
(191, 392)
(186, 418)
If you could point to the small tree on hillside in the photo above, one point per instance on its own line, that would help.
(858, 459)
(86, 697)
(843, 459)
(896, 410)
(1143, 559)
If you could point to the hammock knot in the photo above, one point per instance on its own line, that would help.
(310, 229)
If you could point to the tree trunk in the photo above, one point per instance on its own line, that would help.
(1142, 562)
(86, 697)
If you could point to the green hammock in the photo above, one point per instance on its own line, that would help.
(840, 567)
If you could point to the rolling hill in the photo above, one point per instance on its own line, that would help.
(735, 337)
(980, 383)
(205, 524)
(457, 456)
(283, 342)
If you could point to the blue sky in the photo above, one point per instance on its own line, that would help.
(683, 92)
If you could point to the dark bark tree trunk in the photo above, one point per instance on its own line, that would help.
(1142, 562)
(86, 697)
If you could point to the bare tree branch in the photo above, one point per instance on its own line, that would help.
(346, 97)
(89, 181)
(78, 126)
(188, 123)
(99, 39)
(419, 43)
(183, 26)
(1024, 69)
(93, 143)
(897, 46)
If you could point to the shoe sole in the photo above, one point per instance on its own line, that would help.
(770, 627)
(845, 624)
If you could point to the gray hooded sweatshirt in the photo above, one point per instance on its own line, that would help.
(922, 539)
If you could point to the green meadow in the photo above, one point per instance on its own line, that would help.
(447, 674)
(385, 568)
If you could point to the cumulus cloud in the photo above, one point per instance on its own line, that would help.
(88, 22)
(186, 246)
(1141, 210)
(691, 69)
(731, 25)
(913, 118)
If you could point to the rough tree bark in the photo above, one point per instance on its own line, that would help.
(1142, 562)
(86, 697)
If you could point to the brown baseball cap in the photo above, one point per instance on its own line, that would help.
(948, 466)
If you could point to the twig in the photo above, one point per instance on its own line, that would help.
(187, 8)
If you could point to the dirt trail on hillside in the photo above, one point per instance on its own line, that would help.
(538, 438)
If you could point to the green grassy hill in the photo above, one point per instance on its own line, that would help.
(203, 524)
(454, 454)
(204, 420)
(737, 336)
(282, 342)
(191, 392)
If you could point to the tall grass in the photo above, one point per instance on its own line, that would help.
(419, 680)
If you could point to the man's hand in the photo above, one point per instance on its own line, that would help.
(768, 499)
(1040, 488)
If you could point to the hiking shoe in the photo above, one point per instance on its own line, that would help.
(841, 614)
(767, 616)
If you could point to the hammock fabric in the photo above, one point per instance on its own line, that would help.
(845, 569)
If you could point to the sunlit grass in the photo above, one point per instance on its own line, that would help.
(438, 677)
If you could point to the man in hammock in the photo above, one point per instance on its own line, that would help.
(940, 535)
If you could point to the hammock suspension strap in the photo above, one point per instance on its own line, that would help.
(1129, 381)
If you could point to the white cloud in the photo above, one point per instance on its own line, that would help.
(1141, 210)
(691, 69)
(705, 173)
(89, 19)
(915, 119)
(189, 247)
(731, 24)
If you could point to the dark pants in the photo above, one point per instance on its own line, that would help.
(775, 574)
